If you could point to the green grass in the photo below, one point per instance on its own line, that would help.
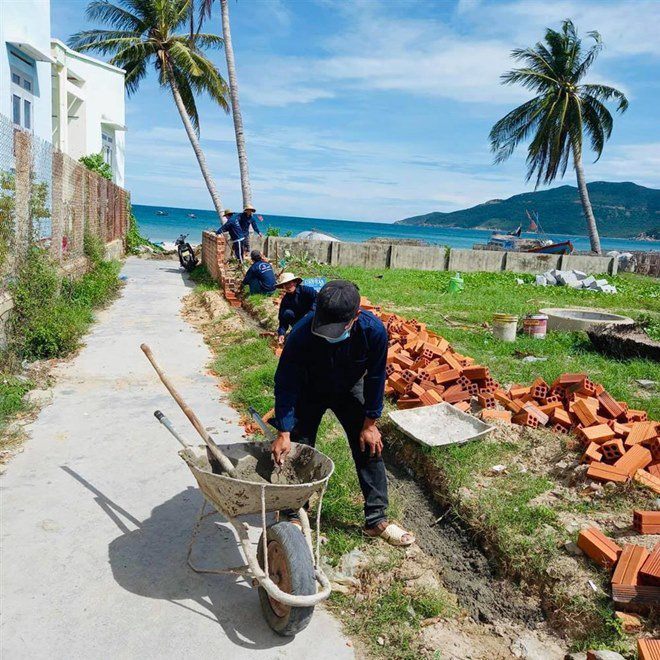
(203, 280)
(12, 391)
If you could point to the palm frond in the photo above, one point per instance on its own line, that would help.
(105, 12)
(607, 93)
(103, 41)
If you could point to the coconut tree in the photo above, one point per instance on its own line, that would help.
(144, 33)
(562, 112)
(205, 11)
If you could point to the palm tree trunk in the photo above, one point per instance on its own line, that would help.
(236, 107)
(197, 148)
(586, 203)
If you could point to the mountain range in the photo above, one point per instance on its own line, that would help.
(625, 210)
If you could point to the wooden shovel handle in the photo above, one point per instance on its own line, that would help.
(210, 443)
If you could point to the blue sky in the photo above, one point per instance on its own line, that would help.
(368, 110)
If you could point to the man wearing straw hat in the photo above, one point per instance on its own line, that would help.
(246, 220)
(335, 359)
(298, 300)
(233, 228)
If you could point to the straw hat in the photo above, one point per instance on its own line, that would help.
(249, 207)
(285, 278)
(227, 212)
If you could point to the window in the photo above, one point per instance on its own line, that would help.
(108, 148)
(22, 99)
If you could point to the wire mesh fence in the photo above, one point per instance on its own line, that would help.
(50, 199)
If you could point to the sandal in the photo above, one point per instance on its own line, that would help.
(392, 533)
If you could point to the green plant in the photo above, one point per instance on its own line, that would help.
(145, 33)
(94, 247)
(564, 109)
(96, 163)
(12, 391)
(7, 189)
(273, 231)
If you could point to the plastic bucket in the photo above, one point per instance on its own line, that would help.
(535, 325)
(505, 327)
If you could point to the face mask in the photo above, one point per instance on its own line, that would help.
(343, 337)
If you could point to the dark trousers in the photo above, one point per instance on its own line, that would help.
(246, 243)
(349, 410)
(237, 249)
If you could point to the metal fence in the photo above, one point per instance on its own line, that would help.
(48, 198)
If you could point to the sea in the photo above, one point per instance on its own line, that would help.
(166, 228)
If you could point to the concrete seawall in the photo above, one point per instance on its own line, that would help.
(383, 255)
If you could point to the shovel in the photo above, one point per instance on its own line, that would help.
(224, 462)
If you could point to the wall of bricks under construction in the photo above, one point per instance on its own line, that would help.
(377, 255)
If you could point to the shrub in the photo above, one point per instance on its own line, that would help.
(95, 163)
(94, 247)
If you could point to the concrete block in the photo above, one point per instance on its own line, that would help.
(6, 305)
(588, 264)
(363, 255)
(466, 261)
(418, 258)
(114, 249)
(541, 280)
(589, 282)
(530, 262)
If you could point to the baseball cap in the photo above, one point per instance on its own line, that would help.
(336, 305)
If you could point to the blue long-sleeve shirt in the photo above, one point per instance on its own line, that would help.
(233, 228)
(261, 274)
(313, 365)
(246, 222)
(294, 306)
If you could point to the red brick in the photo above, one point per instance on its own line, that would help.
(647, 479)
(486, 401)
(636, 458)
(648, 649)
(525, 418)
(640, 432)
(584, 413)
(496, 415)
(612, 450)
(646, 522)
(650, 571)
(631, 560)
(609, 407)
(518, 392)
(462, 405)
(604, 472)
(599, 434)
(598, 547)
(448, 376)
(534, 410)
(476, 372)
(560, 416)
(591, 453)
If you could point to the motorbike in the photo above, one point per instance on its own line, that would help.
(187, 257)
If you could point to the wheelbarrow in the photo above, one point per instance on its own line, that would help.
(237, 480)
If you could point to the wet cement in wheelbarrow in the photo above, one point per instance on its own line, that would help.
(261, 470)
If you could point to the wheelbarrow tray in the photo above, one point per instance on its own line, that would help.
(236, 497)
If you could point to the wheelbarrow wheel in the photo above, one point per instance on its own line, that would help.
(291, 568)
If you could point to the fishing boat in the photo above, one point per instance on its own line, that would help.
(162, 213)
(515, 242)
(192, 215)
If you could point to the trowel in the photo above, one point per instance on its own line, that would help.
(277, 477)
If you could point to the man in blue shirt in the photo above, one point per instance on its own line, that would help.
(298, 300)
(233, 228)
(246, 220)
(260, 276)
(335, 359)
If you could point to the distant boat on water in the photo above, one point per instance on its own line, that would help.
(514, 242)
(192, 215)
(162, 213)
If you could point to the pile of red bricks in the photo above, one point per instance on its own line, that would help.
(424, 369)
(636, 574)
(231, 287)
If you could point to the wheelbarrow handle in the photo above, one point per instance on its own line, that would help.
(225, 463)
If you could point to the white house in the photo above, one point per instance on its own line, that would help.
(88, 107)
(25, 65)
(64, 97)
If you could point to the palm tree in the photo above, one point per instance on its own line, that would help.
(205, 11)
(562, 111)
(144, 32)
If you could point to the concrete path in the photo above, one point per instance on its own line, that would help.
(97, 511)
